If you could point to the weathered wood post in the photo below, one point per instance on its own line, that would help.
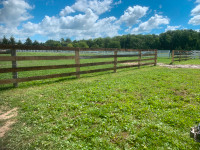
(115, 61)
(14, 65)
(77, 61)
(179, 56)
(155, 59)
(139, 58)
(172, 56)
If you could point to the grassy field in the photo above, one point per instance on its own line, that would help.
(147, 108)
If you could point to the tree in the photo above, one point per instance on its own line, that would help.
(19, 42)
(5, 41)
(69, 45)
(28, 42)
(68, 40)
(83, 45)
(114, 44)
(53, 43)
(36, 43)
(12, 40)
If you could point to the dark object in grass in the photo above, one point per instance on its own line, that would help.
(195, 133)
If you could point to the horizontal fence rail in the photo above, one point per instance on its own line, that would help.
(181, 55)
(142, 59)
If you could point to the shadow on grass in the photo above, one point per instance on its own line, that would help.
(58, 80)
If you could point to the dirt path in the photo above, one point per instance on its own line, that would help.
(179, 66)
(171, 66)
(8, 120)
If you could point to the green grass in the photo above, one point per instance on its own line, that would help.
(147, 108)
(169, 60)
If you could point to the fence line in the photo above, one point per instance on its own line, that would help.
(140, 61)
(181, 55)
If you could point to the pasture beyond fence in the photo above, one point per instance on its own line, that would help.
(141, 56)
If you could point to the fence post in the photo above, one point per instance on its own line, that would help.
(140, 57)
(179, 56)
(115, 61)
(14, 65)
(77, 61)
(172, 56)
(156, 52)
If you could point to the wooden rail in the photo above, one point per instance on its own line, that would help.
(143, 58)
(181, 55)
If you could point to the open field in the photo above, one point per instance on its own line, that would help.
(147, 108)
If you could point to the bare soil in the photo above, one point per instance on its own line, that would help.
(171, 66)
(8, 120)
(180, 66)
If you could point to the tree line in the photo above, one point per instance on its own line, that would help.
(170, 40)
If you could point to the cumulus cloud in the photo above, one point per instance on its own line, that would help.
(172, 28)
(195, 20)
(132, 15)
(153, 23)
(196, 10)
(14, 12)
(81, 26)
(67, 10)
(97, 6)
(79, 22)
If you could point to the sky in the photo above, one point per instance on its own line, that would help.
(42, 20)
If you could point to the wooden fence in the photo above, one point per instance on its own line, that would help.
(181, 55)
(141, 57)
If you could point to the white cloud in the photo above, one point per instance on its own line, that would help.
(172, 28)
(196, 10)
(14, 12)
(153, 23)
(132, 15)
(79, 22)
(81, 26)
(195, 20)
(117, 3)
(67, 11)
(197, 1)
(97, 6)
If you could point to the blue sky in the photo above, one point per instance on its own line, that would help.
(84, 19)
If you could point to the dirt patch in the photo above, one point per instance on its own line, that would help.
(9, 114)
(179, 66)
(130, 63)
(170, 66)
(8, 121)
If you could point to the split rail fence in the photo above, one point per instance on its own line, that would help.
(140, 55)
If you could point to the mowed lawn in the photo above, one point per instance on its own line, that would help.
(146, 108)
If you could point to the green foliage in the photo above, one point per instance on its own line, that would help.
(12, 40)
(69, 45)
(114, 44)
(170, 40)
(28, 41)
(83, 44)
(36, 43)
(19, 42)
(53, 43)
(5, 41)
